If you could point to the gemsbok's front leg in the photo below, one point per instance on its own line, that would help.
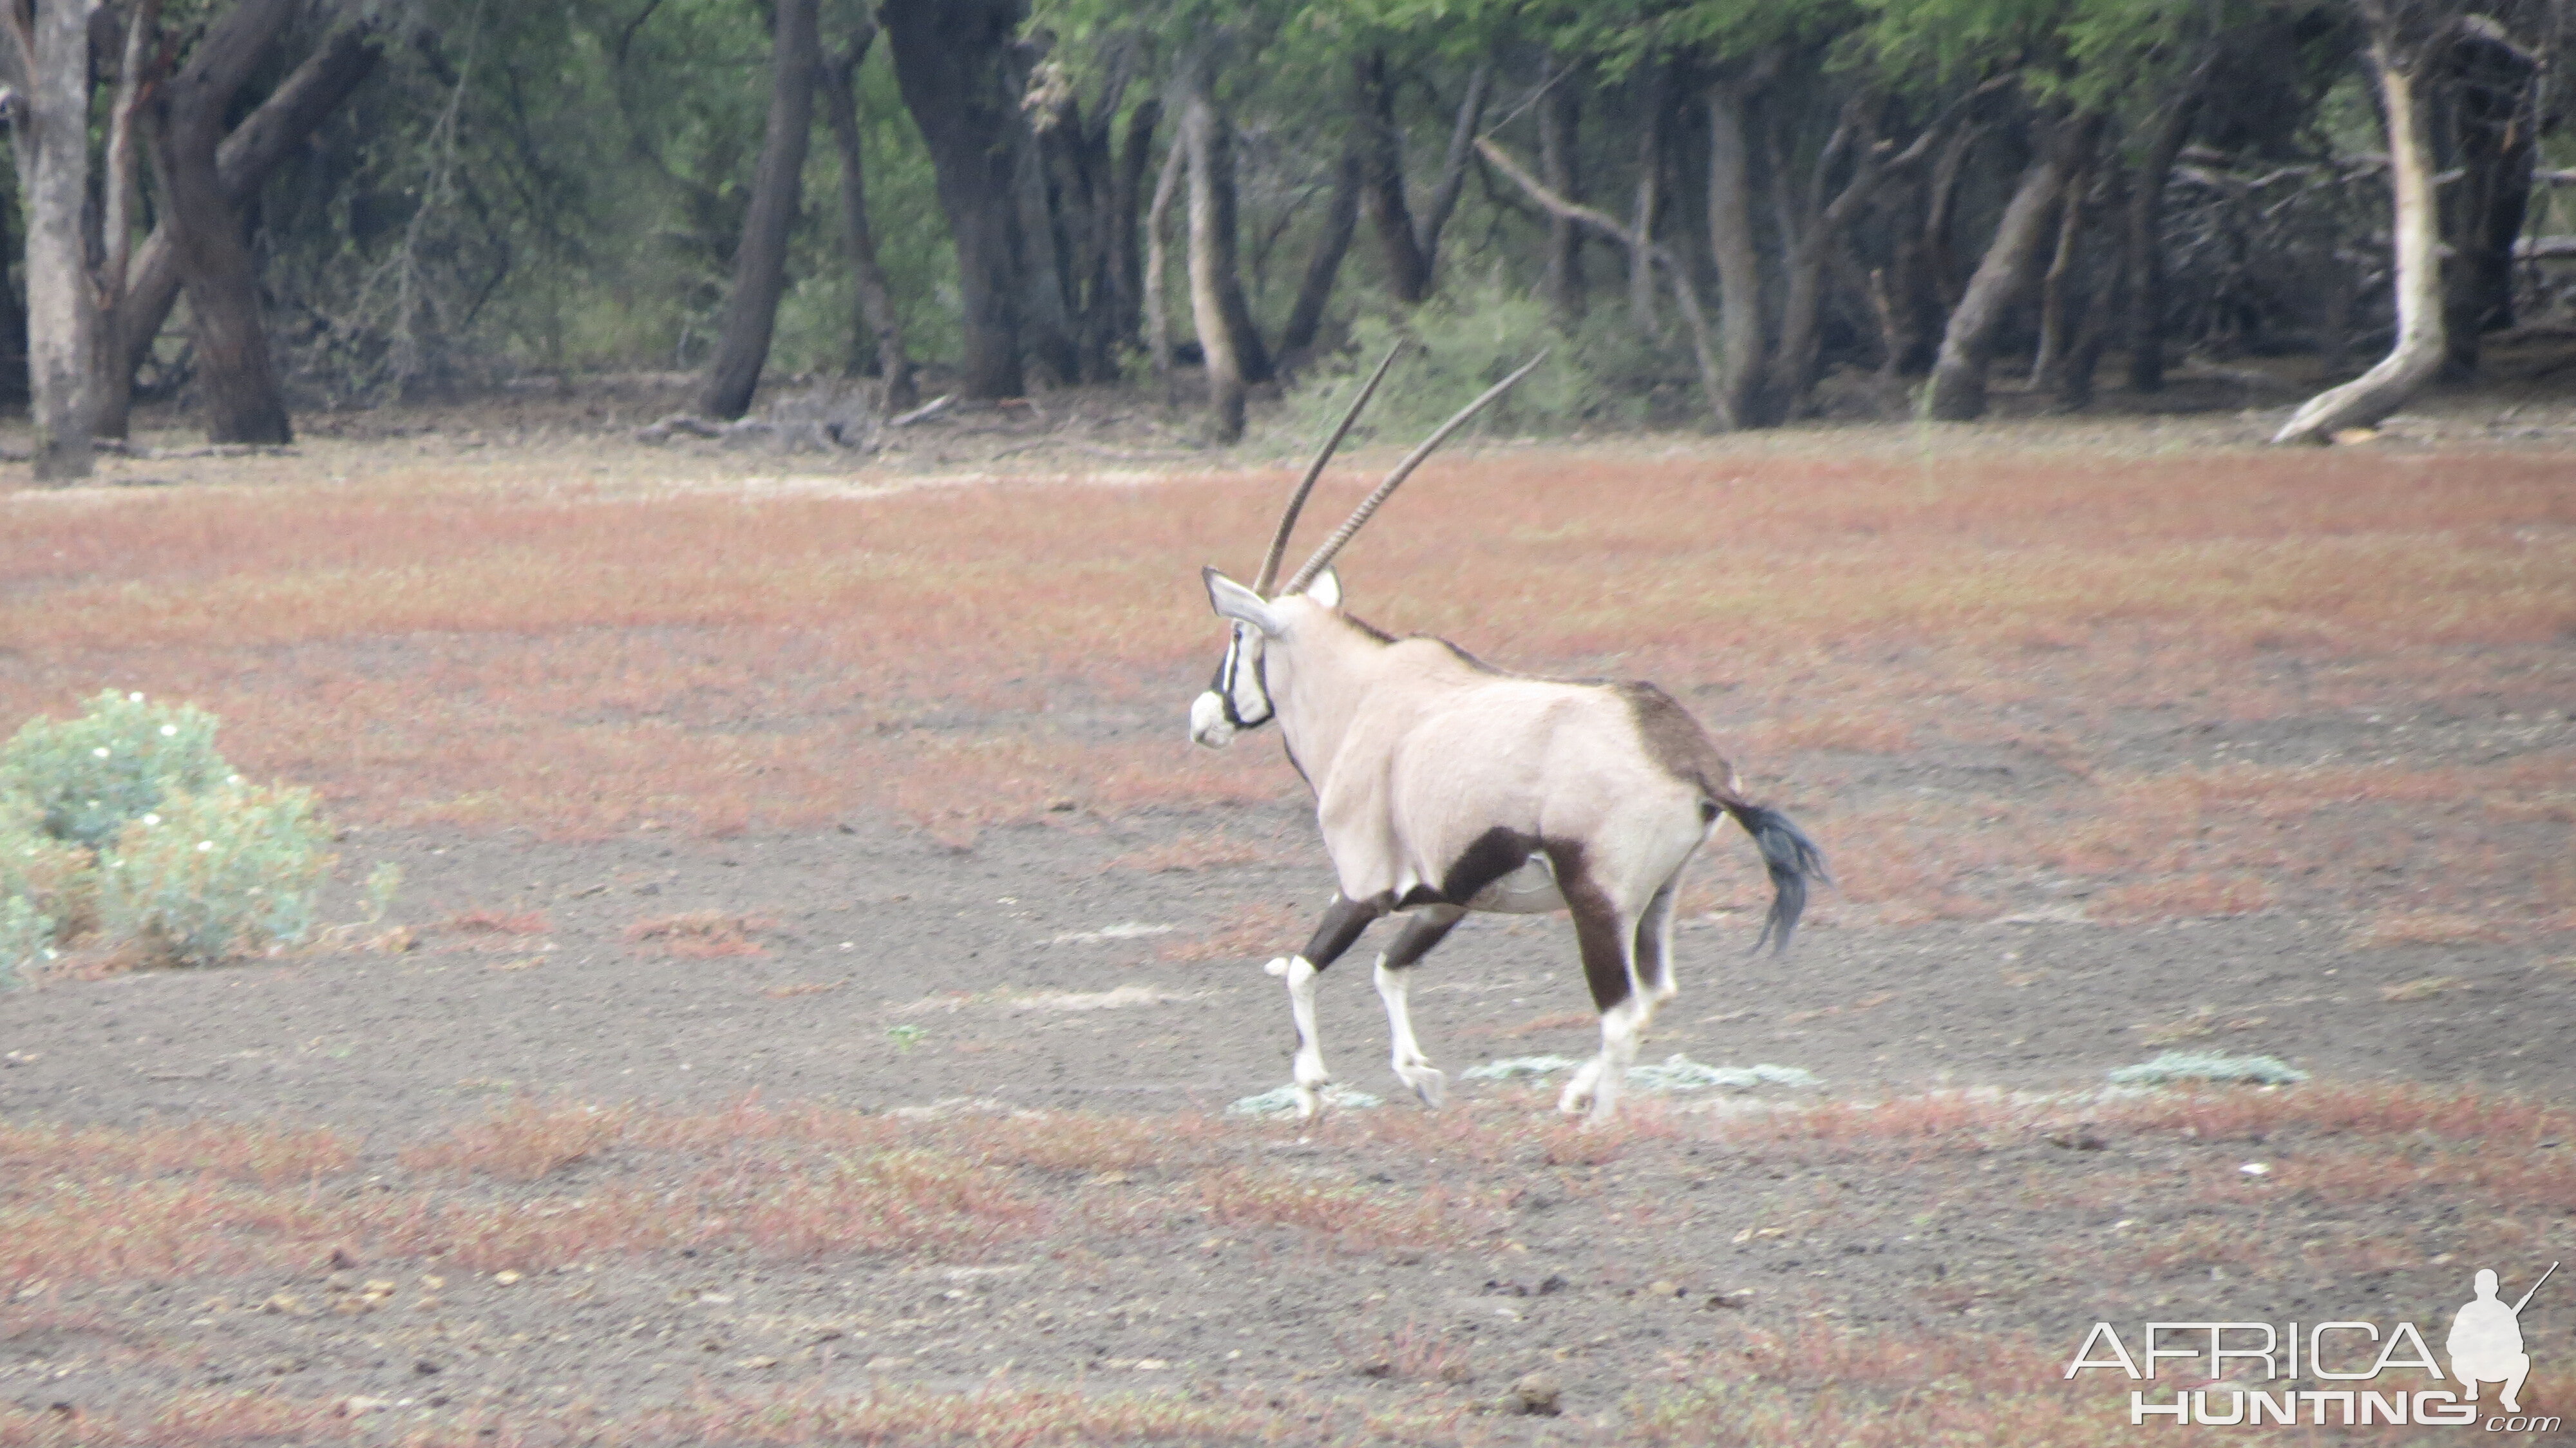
(1394, 970)
(1343, 921)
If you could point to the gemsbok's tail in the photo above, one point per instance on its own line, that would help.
(1792, 859)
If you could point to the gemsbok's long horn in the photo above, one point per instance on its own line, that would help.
(1404, 469)
(1297, 500)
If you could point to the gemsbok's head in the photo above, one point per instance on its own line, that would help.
(1238, 697)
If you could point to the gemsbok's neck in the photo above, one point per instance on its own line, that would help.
(1318, 680)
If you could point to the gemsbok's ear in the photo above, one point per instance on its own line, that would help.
(1326, 589)
(1233, 600)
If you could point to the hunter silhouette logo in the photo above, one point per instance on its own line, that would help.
(2362, 1374)
(2486, 1341)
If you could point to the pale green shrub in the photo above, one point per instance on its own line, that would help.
(1463, 341)
(25, 938)
(227, 872)
(118, 761)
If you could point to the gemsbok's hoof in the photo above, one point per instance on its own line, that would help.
(1429, 1083)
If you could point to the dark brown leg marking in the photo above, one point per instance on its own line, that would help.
(1597, 931)
(1341, 925)
(1420, 934)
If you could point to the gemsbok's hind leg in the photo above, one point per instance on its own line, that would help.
(1655, 944)
(1394, 970)
(1342, 923)
(1607, 937)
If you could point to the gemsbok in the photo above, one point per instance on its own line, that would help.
(1445, 785)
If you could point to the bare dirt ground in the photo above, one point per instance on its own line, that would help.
(822, 968)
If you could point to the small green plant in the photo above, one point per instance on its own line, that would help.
(118, 761)
(25, 938)
(383, 883)
(211, 875)
(905, 1036)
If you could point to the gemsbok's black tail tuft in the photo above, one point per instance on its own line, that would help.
(1792, 859)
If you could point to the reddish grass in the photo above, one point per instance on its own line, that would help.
(1253, 932)
(701, 934)
(193, 1419)
(230, 1151)
(522, 1143)
(496, 922)
(1347, 1215)
(605, 688)
(2422, 928)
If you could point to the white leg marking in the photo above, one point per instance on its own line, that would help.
(1309, 1074)
(1602, 1076)
(1412, 1067)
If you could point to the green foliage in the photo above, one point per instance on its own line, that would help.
(210, 875)
(383, 883)
(1462, 342)
(25, 938)
(88, 776)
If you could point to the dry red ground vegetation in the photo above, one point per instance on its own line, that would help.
(116, 1239)
(2129, 747)
(590, 660)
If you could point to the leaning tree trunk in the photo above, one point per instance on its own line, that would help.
(2145, 261)
(235, 376)
(2048, 361)
(951, 61)
(62, 311)
(112, 396)
(1341, 219)
(879, 324)
(1126, 250)
(777, 190)
(1226, 338)
(2418, 353)
(1958, 387)
(243, 163)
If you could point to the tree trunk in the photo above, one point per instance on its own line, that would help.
(877, 338)
(952, 63)
(2109, 300)
(1958, 387)
(2048, 360)
(1126, 257)
(1340, 221)
(1226, 338)
(1158, 309)
(113, 388)
(2495, 130)
(13, 313)
(2145, 261)
(1560, 110)
(245, 161)
(1742, 348)
(777, 191)
(234, 374)
(1382, 198)
(1046, 271)
(2419, 349)
(1453, 172)
(1656, 100)
(62, 312)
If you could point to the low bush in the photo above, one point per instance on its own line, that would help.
(117, 762)
(1463, 342)
(125, 820)
(218, 874)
